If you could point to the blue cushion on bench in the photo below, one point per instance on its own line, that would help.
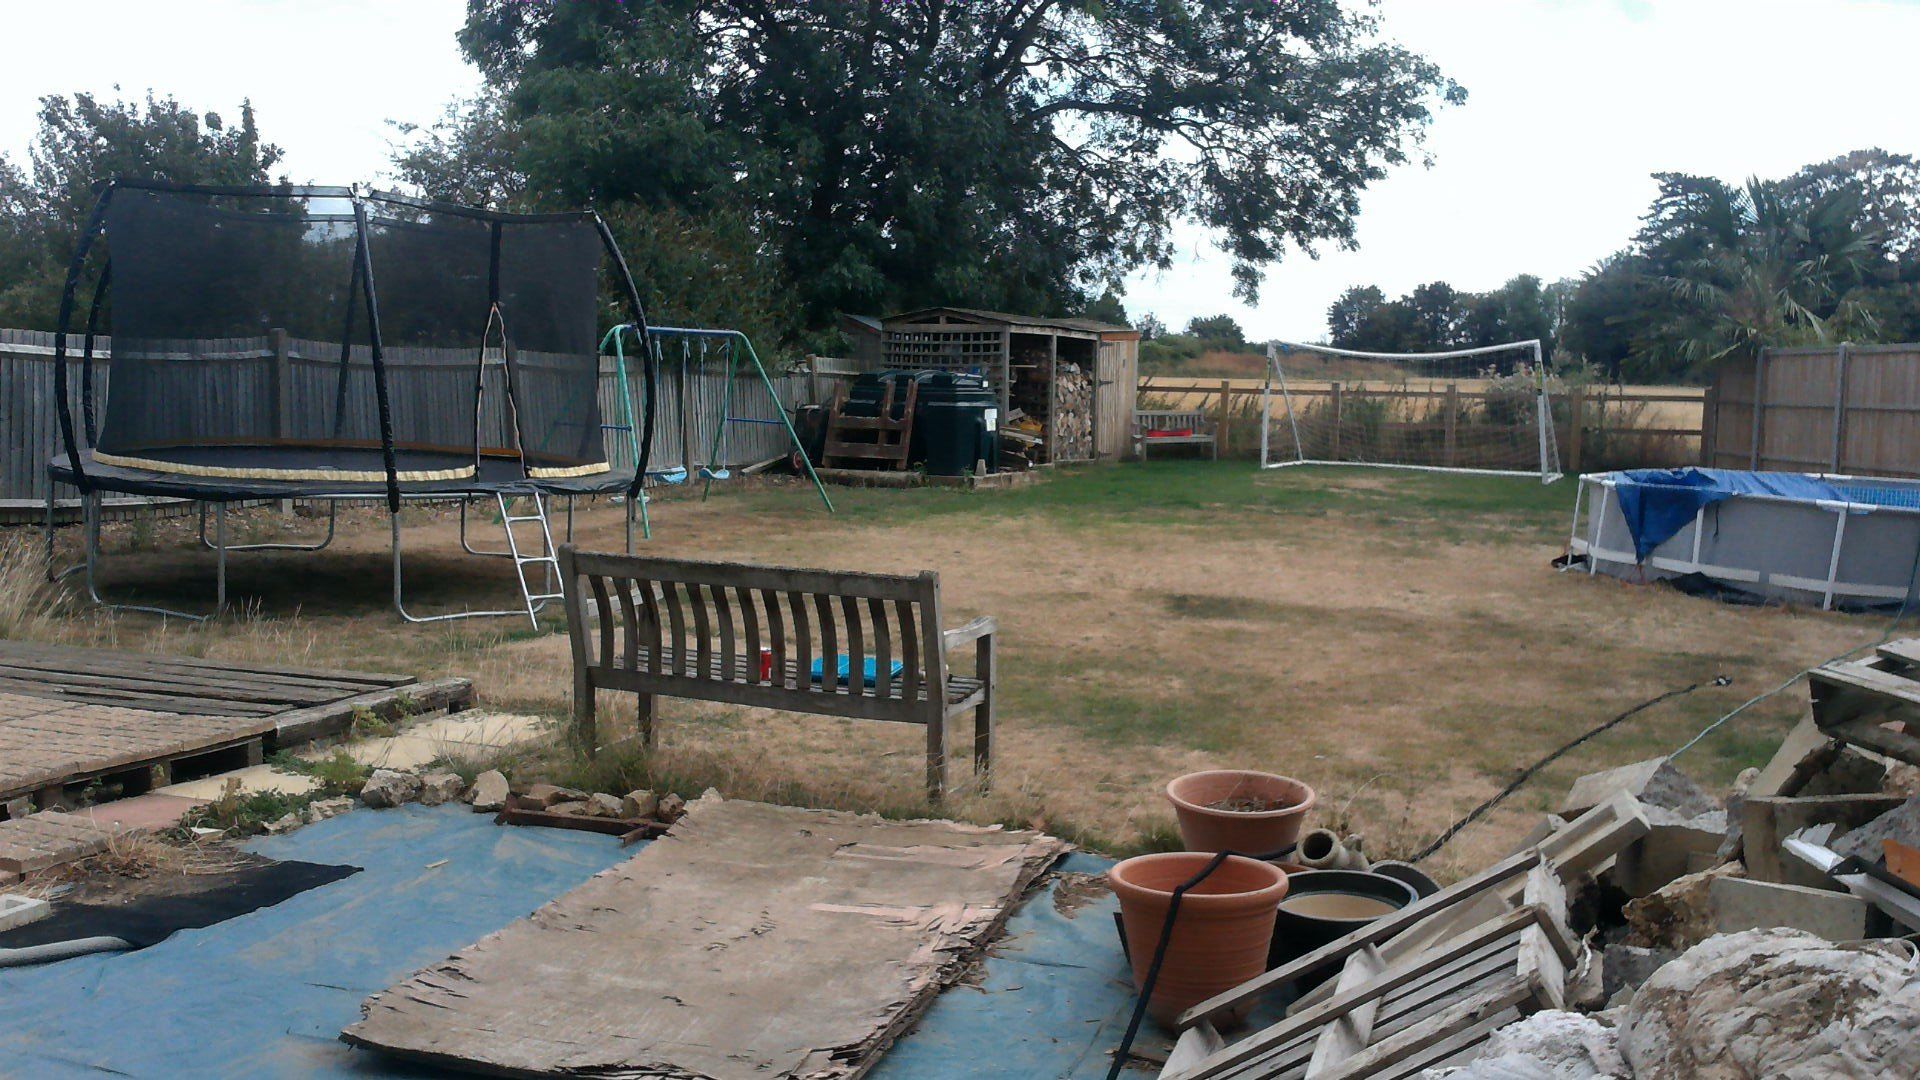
(843, 664)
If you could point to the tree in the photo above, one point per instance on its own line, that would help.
(1014, 154)
(1755, 266)
(82, 141)
(1437, 316)
(1218, 331)
(1108, 309)
(1151, 327)
(1349, 316)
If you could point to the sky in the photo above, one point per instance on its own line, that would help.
(1545, 169)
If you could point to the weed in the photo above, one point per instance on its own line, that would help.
(337, 775)
(368, 724)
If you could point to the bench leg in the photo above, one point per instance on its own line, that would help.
(643, 719)
(936, 756)
(583, 720)
(983, 713)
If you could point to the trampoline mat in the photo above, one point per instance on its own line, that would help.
(305, 475)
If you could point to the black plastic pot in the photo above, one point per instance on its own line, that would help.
(1314, 897)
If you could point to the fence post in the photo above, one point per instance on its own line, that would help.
(1226, 414)
(1709, 423)
(1335, 454)
(1840, 409)
(1759, 409)
(1576, 426)
(278, 381)
(1452, 418)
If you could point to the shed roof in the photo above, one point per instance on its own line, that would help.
(1085, 326)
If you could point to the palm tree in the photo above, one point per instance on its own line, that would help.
(1747, 268)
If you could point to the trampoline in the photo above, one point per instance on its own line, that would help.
(339, 343)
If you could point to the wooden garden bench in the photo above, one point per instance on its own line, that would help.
(829, 642)
(1174, 427)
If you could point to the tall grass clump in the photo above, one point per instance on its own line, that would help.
(28, 603)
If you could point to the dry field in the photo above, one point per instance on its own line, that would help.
(1397, 640)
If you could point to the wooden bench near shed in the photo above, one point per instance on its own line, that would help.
(833, 643)
(1174, 427)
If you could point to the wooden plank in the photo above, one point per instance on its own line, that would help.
(325, 721)
(162, 671)
(1348, 1035)
(1456, 1028)
(835, 931)
(1373, 933)
(1256, 1046)
(329, 675)
(161, 686)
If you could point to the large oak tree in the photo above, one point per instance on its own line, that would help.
(891, 153)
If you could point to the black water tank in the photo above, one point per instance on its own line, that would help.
(956, 423)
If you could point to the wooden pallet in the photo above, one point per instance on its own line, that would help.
(45, 840)
(882, 441)
(74, 716)
(1873, 702)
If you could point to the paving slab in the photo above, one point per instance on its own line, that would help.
(254, 780)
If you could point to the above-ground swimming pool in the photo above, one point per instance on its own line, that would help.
(1836, 541)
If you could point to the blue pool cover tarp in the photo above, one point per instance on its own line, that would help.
(1657, 503)
(266, 994)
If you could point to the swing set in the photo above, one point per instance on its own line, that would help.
(697, 347)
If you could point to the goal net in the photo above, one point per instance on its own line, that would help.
(1484, 410)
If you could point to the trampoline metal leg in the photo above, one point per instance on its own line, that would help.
(467, 546)
(90, 527)
(399, 586)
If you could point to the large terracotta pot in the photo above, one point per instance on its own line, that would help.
(1206, 825)
(1220, 937)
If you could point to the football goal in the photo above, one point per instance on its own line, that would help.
(1484, 410)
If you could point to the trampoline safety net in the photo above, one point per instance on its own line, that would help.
(256, 333)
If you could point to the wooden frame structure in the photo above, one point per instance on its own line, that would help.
(892, 437)
(833, 643)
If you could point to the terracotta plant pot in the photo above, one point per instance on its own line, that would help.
(1220, 937)
(1203, 802)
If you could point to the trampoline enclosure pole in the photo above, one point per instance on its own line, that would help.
(365, 255)
(74, 268)
(638, 316)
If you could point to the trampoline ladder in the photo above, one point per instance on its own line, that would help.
(508, 519)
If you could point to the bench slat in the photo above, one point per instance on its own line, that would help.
(630, 631)
(856, 647)
(909, 651)
(777, 629)
(882, 649)
(599, 586)
(751, 616)
(676, 615)
(702, 628)
(802, 631)
(829, 643)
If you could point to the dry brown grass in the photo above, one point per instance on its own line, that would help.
(1396, 640)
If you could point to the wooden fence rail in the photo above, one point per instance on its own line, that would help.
(1606, 415)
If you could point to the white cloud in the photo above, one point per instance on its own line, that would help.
(1572, 103)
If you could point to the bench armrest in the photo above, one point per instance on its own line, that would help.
(984, 626)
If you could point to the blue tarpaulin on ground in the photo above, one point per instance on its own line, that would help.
(1657, 503)
(266, 994)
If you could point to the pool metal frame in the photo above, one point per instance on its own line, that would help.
(1589, 545)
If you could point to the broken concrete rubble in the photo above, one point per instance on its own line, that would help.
(440, 787)
(600, 804)
(489, 792)
(672, 808)
(1656, 783)
(1745, 904)
(1777, 1003)
(1680, 913)
(322, 809)
(1625, 967)
(389, 788)
(1548, 1045)
(1901, 823)
(547, 795)
(639, 804)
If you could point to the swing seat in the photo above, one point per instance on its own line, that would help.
(715, 474)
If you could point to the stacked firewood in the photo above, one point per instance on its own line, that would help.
(1072, 413)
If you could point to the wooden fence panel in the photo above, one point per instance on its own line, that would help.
(1851, 409)
(241, 381)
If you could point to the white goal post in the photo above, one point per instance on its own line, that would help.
(1456, 411)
